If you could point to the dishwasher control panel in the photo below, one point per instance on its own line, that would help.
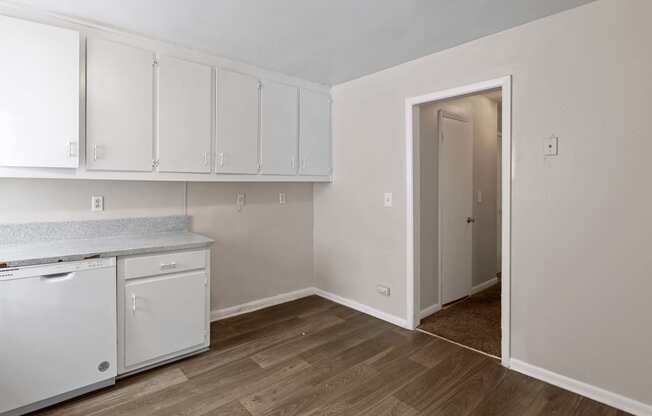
(56, 268)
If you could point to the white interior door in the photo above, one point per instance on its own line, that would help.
(237, 123)
(119, 106)
(184, 137)
(455, 206)
(39, 95)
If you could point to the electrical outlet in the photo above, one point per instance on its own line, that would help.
(240, 200)
(97, 203)
(388, 200)
(282, 198)
(383, 290)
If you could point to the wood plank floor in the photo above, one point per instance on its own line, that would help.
(314, 357)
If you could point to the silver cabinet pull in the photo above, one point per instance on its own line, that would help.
(169, 266)
(97, 150)
(133, 304)
(470, 220)
(72, 149)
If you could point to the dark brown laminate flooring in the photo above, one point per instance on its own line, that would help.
(474, 321)
(314, 357)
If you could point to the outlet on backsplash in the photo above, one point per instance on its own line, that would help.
(97, 203)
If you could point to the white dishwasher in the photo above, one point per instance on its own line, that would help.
(57, 332)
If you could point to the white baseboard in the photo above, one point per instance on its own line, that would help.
(429, 310)
(596, 393)
(392, 319)
(484, 285)
(218, 314)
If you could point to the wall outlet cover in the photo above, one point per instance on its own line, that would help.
(383, 290)
(240, 200)
(388, 199)
(97, 203)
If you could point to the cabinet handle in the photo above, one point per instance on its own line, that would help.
(133, 304)
(96, 152)
(206, 159)
(72, 151)
(169, 266)
(303, 163)
(220, 159)
(292, 162)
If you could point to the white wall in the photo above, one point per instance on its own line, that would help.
(35, 200)
(482, 112)
(581, 223)
(262, 251)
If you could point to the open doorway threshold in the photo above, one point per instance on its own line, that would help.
(473, 322)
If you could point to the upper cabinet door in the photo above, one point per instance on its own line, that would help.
(119, 107)
(237, 123)
(315, 134)
(184, 136)
(279, 129)
(39, 95)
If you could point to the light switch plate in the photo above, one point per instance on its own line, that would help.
(388, 199)
(551, 146)
(97, 203)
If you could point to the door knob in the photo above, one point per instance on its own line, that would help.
(470, 220)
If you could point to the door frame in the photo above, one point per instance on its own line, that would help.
(412, 202)
(440, 280)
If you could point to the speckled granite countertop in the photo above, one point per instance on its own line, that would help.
(108, 238)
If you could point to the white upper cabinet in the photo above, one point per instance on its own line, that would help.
(184, 135)
(39, 95)
(237, 123)
(279, 129)
(119, 106)
(315, 133)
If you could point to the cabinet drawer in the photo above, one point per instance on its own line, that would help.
(157, 264)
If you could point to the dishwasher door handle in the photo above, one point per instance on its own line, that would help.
(57, 277)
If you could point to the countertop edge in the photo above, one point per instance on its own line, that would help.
(31, 260)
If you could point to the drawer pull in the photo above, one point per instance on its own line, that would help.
(133, 304)
(169, 266)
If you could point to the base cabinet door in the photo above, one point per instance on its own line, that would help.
(119, 107)
(163, 316)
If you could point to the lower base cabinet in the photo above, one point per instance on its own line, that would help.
(162, 316)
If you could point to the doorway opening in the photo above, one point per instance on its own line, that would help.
(458, 215)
